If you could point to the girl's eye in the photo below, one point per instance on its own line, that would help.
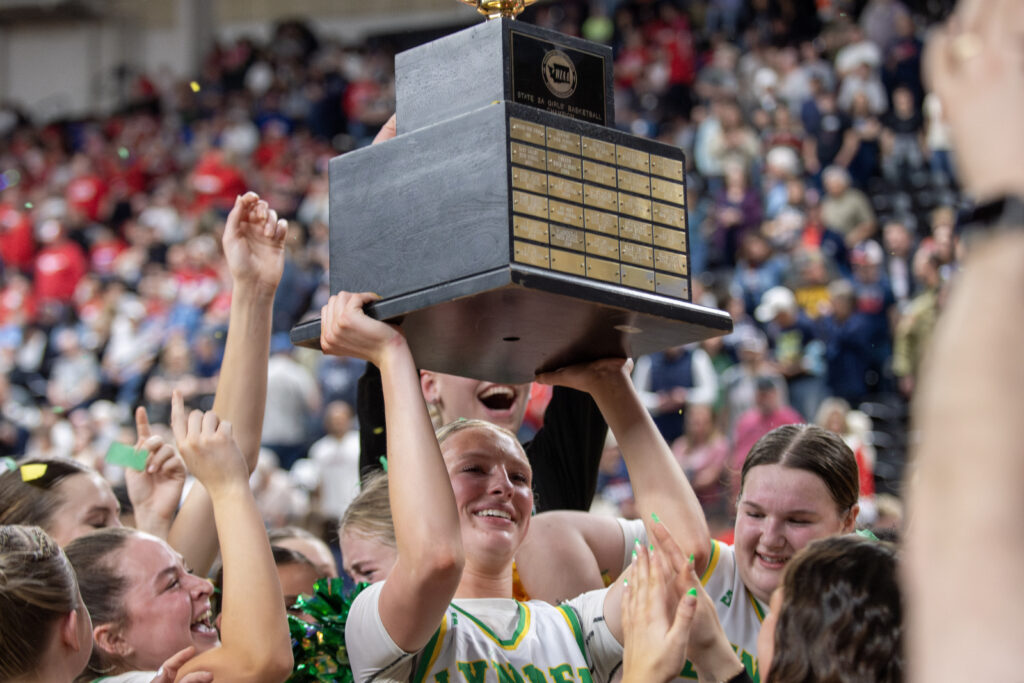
(520, 477)
(755, 515)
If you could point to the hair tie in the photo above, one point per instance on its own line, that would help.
(33, 471)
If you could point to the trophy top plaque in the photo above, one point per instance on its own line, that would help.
(494, 9)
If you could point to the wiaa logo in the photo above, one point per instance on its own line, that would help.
(559, 73)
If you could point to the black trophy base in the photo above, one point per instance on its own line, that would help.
(511, 323)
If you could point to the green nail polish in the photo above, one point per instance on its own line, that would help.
(625, 582)
(654, 516)
(634, 554)
(691, 558)
(652, 548)
(692, 591)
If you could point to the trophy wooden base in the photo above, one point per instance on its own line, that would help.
(508, 324)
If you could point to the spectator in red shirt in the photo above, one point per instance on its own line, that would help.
(86, 190)
(768, 413)
(59, 265)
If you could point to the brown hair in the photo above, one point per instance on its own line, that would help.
(814, 449)
(34, 502)
(102, 588)
(842, 615)
(37, 588)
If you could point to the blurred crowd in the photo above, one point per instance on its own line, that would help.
(822, 201)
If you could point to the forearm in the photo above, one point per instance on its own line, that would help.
(254, 627)
(240, 399)
(415, 465)
(242, 387)
(659, 485)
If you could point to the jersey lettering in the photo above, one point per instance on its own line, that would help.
(561, 673)
(441, 677)
(534, 674)
(507, 673)
(727, 599)
(473, 672)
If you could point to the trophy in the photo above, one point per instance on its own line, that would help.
(509, 227)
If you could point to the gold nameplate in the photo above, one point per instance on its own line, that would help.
(633, 158)
(594, 172)
(600, 269)
(568, 262)
(668, 191)
(526, 131)
(529, 180)
(637, 254)
(600, 197)
(634, 182)
(599, 149)
(565, 189)
(564, 165)
(670, 261)
(638, 277)
(635, 230)
(531, 254)
(524, 155)
(671, 286)
(566, 213)
(669, 215)
(667, 168)
(529, 204)
(637, 207)
(566, 238)
(563, 140)
(606, 247)
(670, 238)
(599, 221)
(529, 229)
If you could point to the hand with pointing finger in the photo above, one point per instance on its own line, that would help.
(156, 491)
(209, 449)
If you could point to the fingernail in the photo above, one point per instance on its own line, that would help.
(625, 582)
(692, 591)
(691, 558)
(652, 548)
(634, 554)
(654, 516)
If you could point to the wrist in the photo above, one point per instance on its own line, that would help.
(252, 293)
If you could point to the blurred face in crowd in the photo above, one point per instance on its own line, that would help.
(781, 509)
(317, 552)
(88, 503)
(455, 397)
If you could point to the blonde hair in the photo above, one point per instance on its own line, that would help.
(37, 588)
(369, 513)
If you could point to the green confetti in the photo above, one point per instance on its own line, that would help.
(126, 456)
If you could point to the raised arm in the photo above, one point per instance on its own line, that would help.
(430, 556)
(659, 485)
(254, 249)
(255, 645)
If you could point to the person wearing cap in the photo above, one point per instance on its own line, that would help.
(798, 349)
(769, 411)
(876, 301)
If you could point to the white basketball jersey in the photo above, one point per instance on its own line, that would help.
(739, 612)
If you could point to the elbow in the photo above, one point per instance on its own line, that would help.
(274, 666)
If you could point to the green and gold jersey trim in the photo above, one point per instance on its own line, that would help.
(716, 553)
(522, 627)
(577, 629)
(431, 651)
(758, 610)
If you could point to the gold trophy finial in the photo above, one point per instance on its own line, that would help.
(494, 9)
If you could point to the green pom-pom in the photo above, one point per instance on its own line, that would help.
(318, 644)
